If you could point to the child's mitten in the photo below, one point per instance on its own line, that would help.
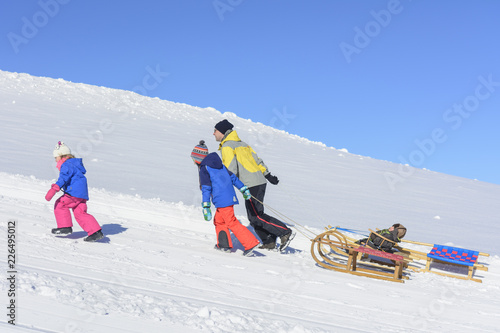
(246, 193)
(207, 213)
(53, 190)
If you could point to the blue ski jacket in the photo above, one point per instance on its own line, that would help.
(217, 182)
(72, 179)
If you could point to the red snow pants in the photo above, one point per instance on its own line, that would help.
(224, 220)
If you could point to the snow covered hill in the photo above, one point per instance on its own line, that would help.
(157, 270)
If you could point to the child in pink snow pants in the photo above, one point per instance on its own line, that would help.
(74, 184)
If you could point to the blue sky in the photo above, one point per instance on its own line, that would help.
(414, 82)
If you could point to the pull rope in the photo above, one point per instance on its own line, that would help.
(319, 218)
(300, 203)
(306, 230)
(295, 223)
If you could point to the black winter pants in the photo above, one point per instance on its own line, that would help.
(267, 227)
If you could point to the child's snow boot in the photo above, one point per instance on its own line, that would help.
(249, 252)
(94, 237)
(222, 249)
(62, 231)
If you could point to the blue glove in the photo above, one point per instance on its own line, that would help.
(246, 193)
(207, 213)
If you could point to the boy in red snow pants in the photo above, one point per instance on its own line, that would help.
(216, 183)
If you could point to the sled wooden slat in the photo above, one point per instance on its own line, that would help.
(398, 261)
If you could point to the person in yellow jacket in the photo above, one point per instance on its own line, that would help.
(242, 160)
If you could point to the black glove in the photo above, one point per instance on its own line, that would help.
(272, 179)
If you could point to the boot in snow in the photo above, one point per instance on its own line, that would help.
(62, 231)
(249, 252)
(286, 239)
(94, 237)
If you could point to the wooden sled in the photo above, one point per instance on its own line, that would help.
(419, 261)
(333, 251)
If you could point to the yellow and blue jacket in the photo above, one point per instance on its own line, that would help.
(242, 160)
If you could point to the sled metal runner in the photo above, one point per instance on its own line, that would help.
(335, 251)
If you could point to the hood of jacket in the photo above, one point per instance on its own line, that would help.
(72, 178)
(231, 136)
(212, 160)
(76, 163)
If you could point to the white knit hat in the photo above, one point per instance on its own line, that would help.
(61, 149)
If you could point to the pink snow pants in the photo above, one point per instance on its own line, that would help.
(79, 207)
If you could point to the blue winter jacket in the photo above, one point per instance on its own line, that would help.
(217, 182)
(72, 178)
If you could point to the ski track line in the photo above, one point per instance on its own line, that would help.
(69, 320)
(122, 262)
(166, 272)
(25, 328)
(232, 307)
(204, 302)
(235, 285)
(232, 283)
(167, 275)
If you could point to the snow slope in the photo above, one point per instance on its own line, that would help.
(157, 270)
